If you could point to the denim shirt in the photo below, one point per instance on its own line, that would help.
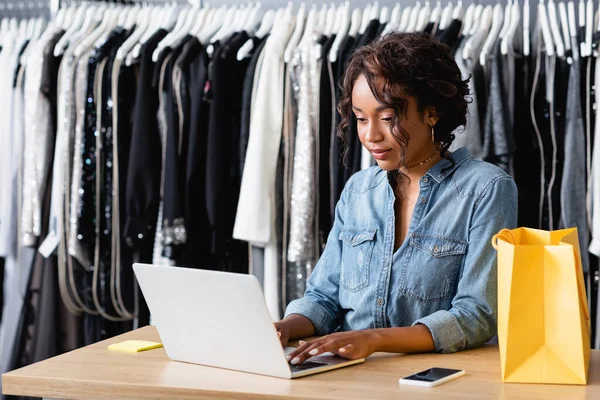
(443, 275)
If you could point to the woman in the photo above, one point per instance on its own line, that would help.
(408, 265)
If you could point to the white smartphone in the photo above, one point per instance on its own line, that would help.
(432, 377)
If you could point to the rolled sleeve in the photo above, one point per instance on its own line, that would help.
(472, 319)
(321, 319)
(445, 330)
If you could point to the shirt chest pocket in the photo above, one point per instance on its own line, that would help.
(432, 271)
(357, 251)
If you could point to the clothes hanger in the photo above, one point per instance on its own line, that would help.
(406, 13)
(3, 29)
(122, 16)
(321, 20)
(180, 18)
(81, 18)
(266, 25)
(526, 31)
(213, 25)
(436, 13)
(366, 18)
(343, 31)
(589, 26)
(355, 22)
(572, 24)
(130, 42)
(384, 16)
(477, 13)
(509, 36)
(263, 30)
(572, 18)
(413, 19)
(468, 21)
(60, 17)
(30, 28)
(253, 19)
(394, 21)
(207, 14)
(582, 18)
(507, 13)
(332, 22)
(106, 18)
(242, 18)
(311, 21)
(192, 15)
(226, 25)
(297, 34)
(132, 18)
(545, 26)
(445, 19)
(497, 22)
(555, 29)
(480, 31)
(374, 12)
(423, 17)
(458, 12)
(564, 23)
(151, 21)
(337, 19)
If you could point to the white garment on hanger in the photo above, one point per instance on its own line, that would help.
(255, 217)
(36, 143)
(7, 159)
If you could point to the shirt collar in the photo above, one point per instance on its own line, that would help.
(444, 167)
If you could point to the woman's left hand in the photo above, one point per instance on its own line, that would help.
(350, 345)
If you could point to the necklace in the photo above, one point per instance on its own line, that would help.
(425, 161)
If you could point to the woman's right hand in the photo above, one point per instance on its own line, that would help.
(283, 332)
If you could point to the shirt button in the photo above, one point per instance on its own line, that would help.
(425, 180)
(379, 302)
(423, 199)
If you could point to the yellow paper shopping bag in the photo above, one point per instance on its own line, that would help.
(543, 317)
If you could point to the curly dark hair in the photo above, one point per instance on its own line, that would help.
(408, 64)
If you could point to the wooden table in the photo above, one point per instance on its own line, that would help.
(95, 373)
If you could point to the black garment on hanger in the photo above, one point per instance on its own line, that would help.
(542, 118)
(175, 161)
(144, 167)
(526, 159)
(479, 83)
(223, 176)
(561, 84)
(191, 51)
(95, 327)
(429, 28)
(142, 195)
(248, 87)
(338, 161)
(326, 120)
(198, 244)
(449, 36)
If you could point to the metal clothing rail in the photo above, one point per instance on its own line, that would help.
(24, 9)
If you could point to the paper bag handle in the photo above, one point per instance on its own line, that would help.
(504, 234)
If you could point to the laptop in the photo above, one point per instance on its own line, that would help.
(220, 319)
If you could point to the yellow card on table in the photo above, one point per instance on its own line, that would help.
(134, 346)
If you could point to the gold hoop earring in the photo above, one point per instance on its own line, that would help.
(432, 135)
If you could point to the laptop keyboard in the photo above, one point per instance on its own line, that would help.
(306, 365)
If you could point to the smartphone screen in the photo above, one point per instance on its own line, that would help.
(432, 374)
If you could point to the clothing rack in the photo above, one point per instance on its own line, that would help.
(124, 128)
